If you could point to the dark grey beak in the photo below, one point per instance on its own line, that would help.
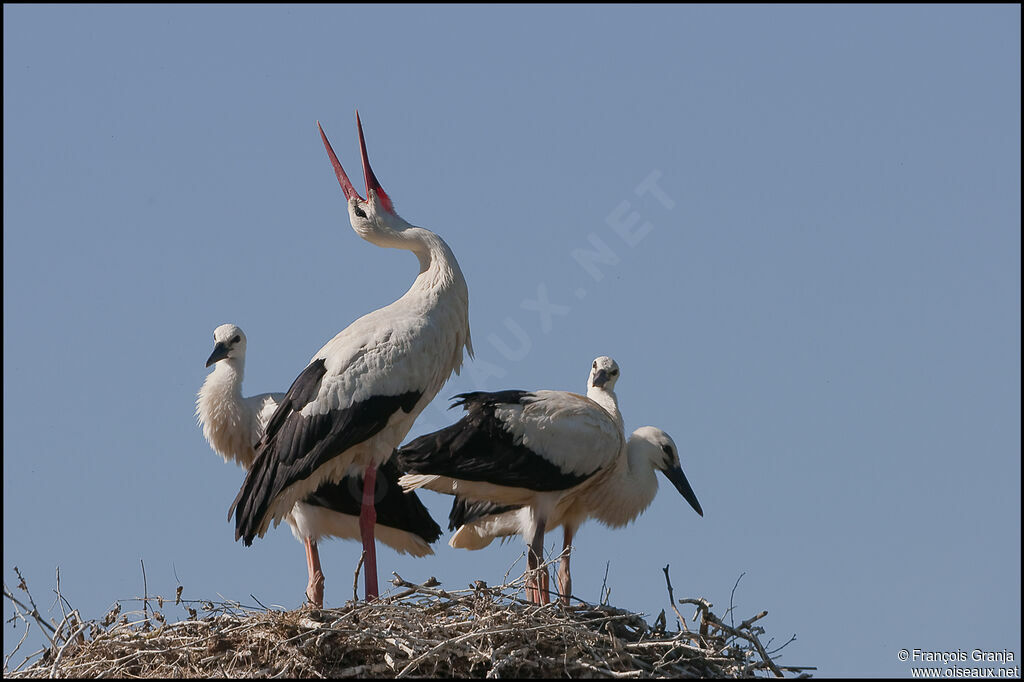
(678, 479)
(601, 378)
(220, 351)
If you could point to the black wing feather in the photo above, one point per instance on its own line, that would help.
(478, 448)
(466, 511)
(300, 445)
(303, 389)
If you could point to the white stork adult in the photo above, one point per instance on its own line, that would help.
(233, 425)
(360, 394)
(540, 449)
(615, 501)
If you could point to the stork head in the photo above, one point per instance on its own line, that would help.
(374, 214)
(228, 343)
(659, 448)
(603, 373)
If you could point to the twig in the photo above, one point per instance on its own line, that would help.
(60, 598)
(602, 597)
(7, 658)
(788, 642)
(398, 581)
(672, 599)
(750, 621)
(34, 612)
(731, 595)
(60, 654)
(145, 590)
(355, 578)
(750, 636)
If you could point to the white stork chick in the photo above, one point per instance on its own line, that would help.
(355, 402)
(233, 425)
(616, 501)
(540, 449)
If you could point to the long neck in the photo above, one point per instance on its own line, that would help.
(223, 414)
(438, 267)
(609, 401)
(225, 380)
(440, 286)
(439, 291)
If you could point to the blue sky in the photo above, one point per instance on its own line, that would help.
(810, 221)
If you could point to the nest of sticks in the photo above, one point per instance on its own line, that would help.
(419, 630)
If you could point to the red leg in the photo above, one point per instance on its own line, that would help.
(367, 520)
(545, 588)
(315, 589)
(564, 578)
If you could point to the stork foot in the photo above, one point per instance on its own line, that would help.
(315, 590)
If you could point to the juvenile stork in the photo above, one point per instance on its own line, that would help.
(616, 501)
(358, 397)
(541, 449)
(233, 425)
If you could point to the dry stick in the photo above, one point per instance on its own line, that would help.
(750, 637)
(604, 585)
(750, 621)
(60, 654)
(731, 595)
(672, 600)
(29, 658)
(764, 655)
(60, 599)
(705, 606)
(145, 591)
(398, 581)
(355, 578)
(8, 657)
(788, 642)
(34, 612)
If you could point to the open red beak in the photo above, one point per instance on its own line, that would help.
(346, 184)
(371, 179)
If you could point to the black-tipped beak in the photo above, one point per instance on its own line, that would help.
(678, 479)
(601, 378)
(220, 351)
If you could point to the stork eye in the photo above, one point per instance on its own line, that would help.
(667, 449)
(595, 364)
(359, 212)
(236, 339)
(615, 372)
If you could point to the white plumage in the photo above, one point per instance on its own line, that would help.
(615, 500)
(360, 394)
(233, 424)
(542, 449)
